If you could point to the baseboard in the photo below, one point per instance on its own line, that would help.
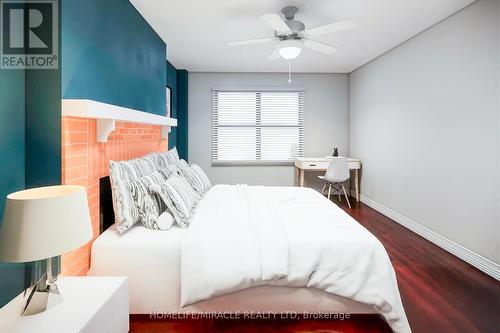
(476, 260)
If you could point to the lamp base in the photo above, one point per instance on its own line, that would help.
(38, 297)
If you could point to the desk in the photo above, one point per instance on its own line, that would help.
(303, 164)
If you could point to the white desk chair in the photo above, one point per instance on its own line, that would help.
(335, 176)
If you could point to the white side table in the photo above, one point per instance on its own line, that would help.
(88, 305)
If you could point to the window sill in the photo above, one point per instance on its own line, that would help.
(253, 163)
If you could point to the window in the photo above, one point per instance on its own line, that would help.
(253, 127)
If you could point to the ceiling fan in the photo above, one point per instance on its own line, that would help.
(292, 35)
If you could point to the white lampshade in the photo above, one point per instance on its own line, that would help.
(44, 222)
(290, 49)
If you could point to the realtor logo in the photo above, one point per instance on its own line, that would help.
(29, 34)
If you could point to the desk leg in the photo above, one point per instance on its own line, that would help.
(356, 183)
(301, 178)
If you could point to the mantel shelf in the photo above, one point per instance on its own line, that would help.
(107, 114)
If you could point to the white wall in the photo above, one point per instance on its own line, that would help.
(326, 122)
(498, 106)
(424, 118)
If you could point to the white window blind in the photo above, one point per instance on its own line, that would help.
(252, 127)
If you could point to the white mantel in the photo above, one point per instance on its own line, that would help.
(108, 114)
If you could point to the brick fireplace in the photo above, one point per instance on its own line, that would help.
(85, 161)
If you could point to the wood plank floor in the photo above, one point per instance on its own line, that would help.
(440, 292)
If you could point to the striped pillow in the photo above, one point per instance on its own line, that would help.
(153, 158)
(202, 176)
(198, 182)
(148, 203)
(179, 197)
(121, 174)
(170, 157)
(174, 170)
(191, 177)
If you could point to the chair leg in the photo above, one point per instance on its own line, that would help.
(345, 193)
(323, 190)
(340, 198)
(329, 190)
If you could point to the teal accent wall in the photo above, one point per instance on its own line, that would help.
(30, 142)
(172, 84)
(108, 53)
(112, 55)
(43, 127)
(12, 141)
(182, 113)
(177, 81)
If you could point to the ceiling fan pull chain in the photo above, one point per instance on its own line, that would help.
(289, 71)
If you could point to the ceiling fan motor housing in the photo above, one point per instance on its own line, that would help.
(290, 12)
(294, 25)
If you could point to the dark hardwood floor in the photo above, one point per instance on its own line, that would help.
(440, 292)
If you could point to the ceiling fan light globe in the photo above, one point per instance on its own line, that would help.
(289, 52)
(290, 49)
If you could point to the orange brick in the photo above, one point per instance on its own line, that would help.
(70, 150)
(68, 258)
(80, 181)
(83, 272)
(70, 162)
(93, 190)
(70, 124)
(84, 161)
(75, 173)
(74, 137)
(78, 265)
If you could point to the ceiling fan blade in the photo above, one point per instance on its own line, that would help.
(275, 55)
(319, 46)
(328, 28)
(277, 23)
(250, 41)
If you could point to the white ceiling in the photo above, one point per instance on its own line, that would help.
(196, 31)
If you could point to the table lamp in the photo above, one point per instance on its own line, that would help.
(42, 223)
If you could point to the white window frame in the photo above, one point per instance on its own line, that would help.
(300, 126)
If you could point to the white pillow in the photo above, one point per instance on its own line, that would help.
(165, 221)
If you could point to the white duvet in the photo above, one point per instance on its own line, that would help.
(246, 236)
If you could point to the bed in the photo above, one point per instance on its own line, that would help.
(255, 249)
(152, 264)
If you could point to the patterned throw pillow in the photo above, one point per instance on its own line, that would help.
(121, 174)
(195, 177)
(168, 158)
(191, 177)
(167, 172)
(154, 158)
(202, 176)
(174, 170)
(179, 197)
(148, 203)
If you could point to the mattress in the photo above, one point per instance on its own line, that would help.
(151, 261)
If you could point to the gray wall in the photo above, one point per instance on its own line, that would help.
(424, 119)
(326, 122)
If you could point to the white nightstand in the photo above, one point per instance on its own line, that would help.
(89, 305)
